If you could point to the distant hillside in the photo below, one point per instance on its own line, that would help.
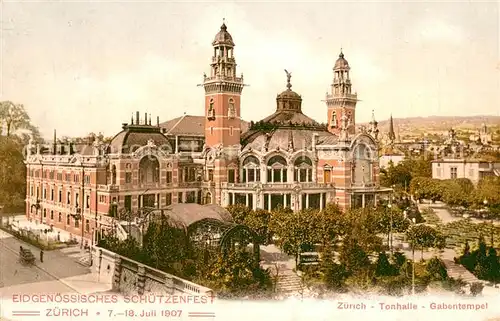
(438, 123)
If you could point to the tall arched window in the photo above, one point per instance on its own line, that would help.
(276, 169)
(149, 169)
(113, 175)
(362, 165)
(303, 169)
(231, 111)
(333, 122)
(211, 109)
(251, 170)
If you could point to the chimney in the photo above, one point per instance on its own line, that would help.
(149, 119)
(132, 119)
(54, 144)
(145, 118)
(137, 118)
(158, 121)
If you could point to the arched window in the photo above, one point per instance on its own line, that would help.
(211, 109)
(207, 199)
(231, 111)
(362, 166)
(149, 169)
(302, 169)
(251, 169)
(333, 122)
(277, 169)
(128, 173)
(113, 175)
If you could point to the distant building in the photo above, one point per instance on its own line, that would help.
(390, 153)
(482, 136)
(474, 170)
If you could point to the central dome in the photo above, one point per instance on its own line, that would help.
(341, 62)
(223, 37)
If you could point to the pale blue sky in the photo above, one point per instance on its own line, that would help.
(81, 66)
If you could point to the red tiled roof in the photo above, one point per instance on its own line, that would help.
(191, 125)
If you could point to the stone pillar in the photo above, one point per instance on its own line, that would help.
(269, 202)
(141, 279)
(307, 200)
(363, 201)
(118, 274)
(284, 201)
(315, 172)
(233, 198)
(246, 200)
(169, 284)
(321, 201)
(263, 173)
(289, 174)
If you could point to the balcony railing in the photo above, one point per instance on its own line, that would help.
(108, 188)
(189, 184)
(274, 186)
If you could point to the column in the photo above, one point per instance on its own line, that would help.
(314, 172)
(284, 201)
(321, 201)
(117, 274)
(246, 200)
(289, 174)
(363, 200)
(233, 196)
(141, 279)
(298, 203)
(307, 200)
(254, 201)
(269, 202)
(263, 173)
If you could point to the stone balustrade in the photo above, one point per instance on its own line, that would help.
(131, 277)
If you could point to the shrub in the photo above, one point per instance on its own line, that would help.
(476, 288)
(436, 269)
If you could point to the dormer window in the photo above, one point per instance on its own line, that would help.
(231, 111)
(211, 110)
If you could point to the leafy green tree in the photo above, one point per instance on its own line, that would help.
(295, 230)
(353, 256)
(12, 175)
(330, 224)
(333, 274)
(426, 188)
(237, 274)
(363, 226)
(14, 116)
(239, 212)
(457, 191)
(258, 221)
(383, 266)
(487, 189)
(424, 236)
(391, 219)
(436, 269)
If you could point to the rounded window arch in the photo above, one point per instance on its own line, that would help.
(149, 169)
(231, 110)
(362, 167)
(251, 169)
(113, 175)
(303, 169)
(277, 169)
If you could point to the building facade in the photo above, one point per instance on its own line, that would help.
(287, 159)
(471, 169)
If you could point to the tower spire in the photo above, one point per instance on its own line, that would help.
(391, 134)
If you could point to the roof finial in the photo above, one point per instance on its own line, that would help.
(223, 27)
(341, 53)
(288, 77)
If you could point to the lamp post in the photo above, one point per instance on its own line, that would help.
(485, 202)
(114, 210)
(414, 220)
(389, 207)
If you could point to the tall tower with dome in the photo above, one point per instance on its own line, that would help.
(340, 100)
(222, 94)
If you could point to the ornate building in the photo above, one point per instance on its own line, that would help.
(287, 159)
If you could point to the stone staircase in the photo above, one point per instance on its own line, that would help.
(289, 283)
(458, 271)
(79, 255)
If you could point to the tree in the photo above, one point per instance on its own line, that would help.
(237, 274)
(457, 191)
(424, 236)
(333, 274)
(391, 219)
(14, 116)
(384, 267)
(258, 221)
(295, 230)
(12, 175)
(239, 212)
(436, 269)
